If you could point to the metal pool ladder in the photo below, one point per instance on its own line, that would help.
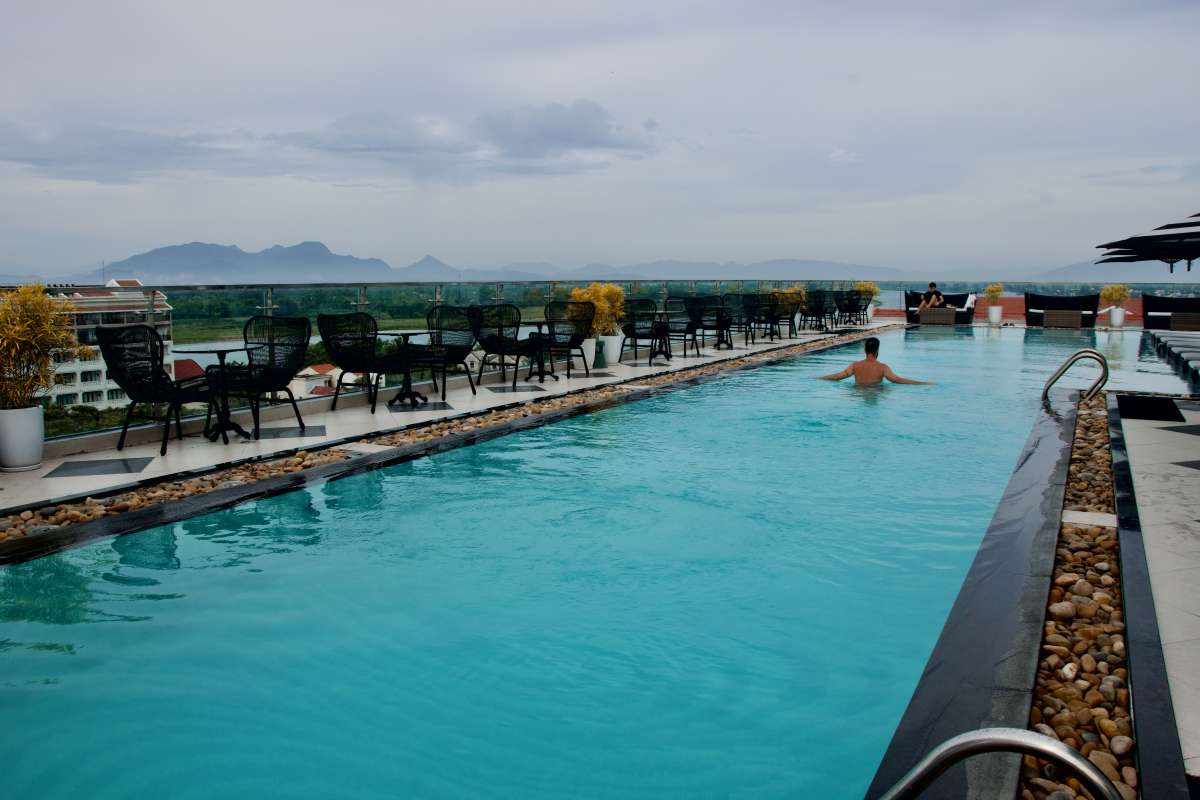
(1005, 740)
(1066, 365)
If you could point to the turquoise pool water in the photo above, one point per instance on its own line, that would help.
(728, 590)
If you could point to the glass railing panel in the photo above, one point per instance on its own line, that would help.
(201, 316)
(402, 306)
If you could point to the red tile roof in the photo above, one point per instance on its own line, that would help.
(320, 369)
(323, 390)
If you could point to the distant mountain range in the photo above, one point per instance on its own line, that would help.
(313, 262)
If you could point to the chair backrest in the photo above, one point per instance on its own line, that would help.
(497, 322)
(570, 320)
(641, 318)
(275, 346)
(768, 304)
(453, 328)
(706, 310)
(786, 305)
(133, 355)
(350, 340)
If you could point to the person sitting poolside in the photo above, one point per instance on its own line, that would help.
(870, 371)
(931, 299)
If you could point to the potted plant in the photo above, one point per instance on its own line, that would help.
(609, 300)
(33, 328)
(995, 311)
(1113, 296)
(870, 289)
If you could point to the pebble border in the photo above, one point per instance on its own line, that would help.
(51, 520)
(1081, 694)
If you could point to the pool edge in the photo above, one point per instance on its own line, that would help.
(982, 669)
(16, 551)
(1160, 764)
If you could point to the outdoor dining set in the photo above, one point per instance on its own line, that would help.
(275, 347)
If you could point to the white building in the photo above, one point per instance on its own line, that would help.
(118, 302)
(316, 380)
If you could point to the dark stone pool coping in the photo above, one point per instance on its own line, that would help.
(30, 547)
(110, 491)
(1159, 756)
(982, 670)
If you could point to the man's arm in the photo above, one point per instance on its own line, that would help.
(894, 378)
(838, 376)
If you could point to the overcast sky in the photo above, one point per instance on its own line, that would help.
(955, 136)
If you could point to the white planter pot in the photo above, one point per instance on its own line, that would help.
(995, 314)
(1116, 317)
(870, 311)
(612, 348)
(22, 433)
(589, 351)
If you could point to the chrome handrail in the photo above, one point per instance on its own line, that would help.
(1005, 740)
(1082, 354)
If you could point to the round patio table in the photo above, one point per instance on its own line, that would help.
(224, 422)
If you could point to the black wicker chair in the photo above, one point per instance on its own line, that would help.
(707, 315)
(568, 323)
(498, 329)
(134, 357)
(275, 348)
(679, 324)
(451, 339)
(751, 305)
(785, 310)
(644, 324)
(817, 312)
(352, 341)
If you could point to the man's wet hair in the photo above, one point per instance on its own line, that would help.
(871, 346)
(932, 285)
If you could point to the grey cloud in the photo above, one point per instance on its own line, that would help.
(555, 129)
(102, 154)
(552, 139)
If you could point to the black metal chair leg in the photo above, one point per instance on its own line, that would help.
(587, 373)
(295, 407)
(178, 423)
(373, 389)
(444, 381)
(336, 391)
(470, 382)
(255, 410)
(125, 427)
(162, 451)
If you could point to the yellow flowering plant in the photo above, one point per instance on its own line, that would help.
(33, 328)
(1114, 294)
(993, 291)
(609, 300)
(869, 288)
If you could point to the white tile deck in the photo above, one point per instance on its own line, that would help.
(349, 420)
(1169, 508)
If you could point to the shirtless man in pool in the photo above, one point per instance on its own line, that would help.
(870, 371)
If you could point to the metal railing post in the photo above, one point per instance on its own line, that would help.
(268, 303)
(362, 303)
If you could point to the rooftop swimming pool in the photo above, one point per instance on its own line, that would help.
(726, 590)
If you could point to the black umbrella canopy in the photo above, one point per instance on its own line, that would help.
(1181, 243)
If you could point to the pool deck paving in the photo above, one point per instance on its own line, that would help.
(1164, 458)
(88, 465)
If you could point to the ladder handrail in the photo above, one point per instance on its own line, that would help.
(1007, 740)
(1079, 356)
